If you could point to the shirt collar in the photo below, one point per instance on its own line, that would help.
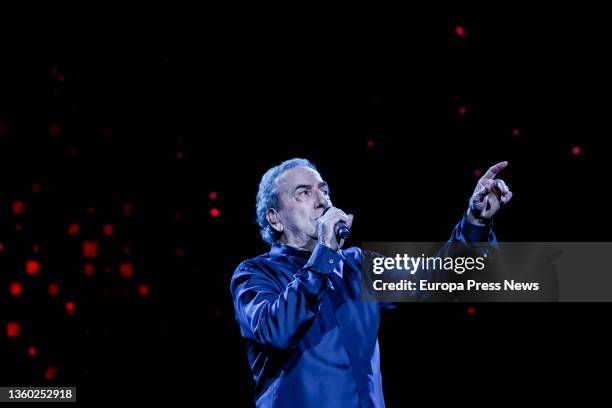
(279, 249)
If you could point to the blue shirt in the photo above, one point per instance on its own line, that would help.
(311, 341)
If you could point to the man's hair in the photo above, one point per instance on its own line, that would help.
(267, 196)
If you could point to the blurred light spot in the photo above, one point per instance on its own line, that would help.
(12, 329)
(15, 288)
(460, 31)
(212, 195)
(126, 270)
(143, 290)
(576, 150)
(32, 267)
(73, 229)
(107, 229)
(70, 308)
(17, 207)
(32, 352)
(127, 209)
(50, 373)
(90, 249)
(88, 269)
(471, 310)
(214, 212)
(53, 289)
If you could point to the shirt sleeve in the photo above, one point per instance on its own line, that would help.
(275, 316)
(467, 232)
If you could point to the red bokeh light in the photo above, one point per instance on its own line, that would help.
(127, 209)
(90, 249)
(17, 207)
(460, 31)
(126, 270)
(214, 212)
(15, 288)
(53, 289)
(70, 308)
(32, 267)
(73, 229)
(88, 269)
(143, 290)
(50, 373)
(107, 230)
(12, 329)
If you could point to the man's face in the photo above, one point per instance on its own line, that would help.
(303, 196)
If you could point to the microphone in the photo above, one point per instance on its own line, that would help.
(341, 229)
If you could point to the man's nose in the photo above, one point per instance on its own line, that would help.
(322, 200)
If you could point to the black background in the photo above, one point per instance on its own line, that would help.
(235, 95)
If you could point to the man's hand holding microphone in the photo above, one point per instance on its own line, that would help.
(333, 227)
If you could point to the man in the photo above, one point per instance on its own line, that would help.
(311, 341)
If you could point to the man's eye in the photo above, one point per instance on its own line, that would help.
(325, 192)
(304, 192)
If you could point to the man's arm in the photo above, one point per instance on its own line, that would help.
(465, 231)
(275, 316)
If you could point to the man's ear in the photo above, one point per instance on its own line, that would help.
(273, 220)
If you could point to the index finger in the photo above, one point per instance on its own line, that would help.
(493, 170)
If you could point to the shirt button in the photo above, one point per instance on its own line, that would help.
(331, 261)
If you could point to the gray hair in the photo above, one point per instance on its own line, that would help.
(267, 196)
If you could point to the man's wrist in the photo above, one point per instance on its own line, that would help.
(478, 221)
(323, 260)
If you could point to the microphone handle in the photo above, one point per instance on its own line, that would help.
(342, 231)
